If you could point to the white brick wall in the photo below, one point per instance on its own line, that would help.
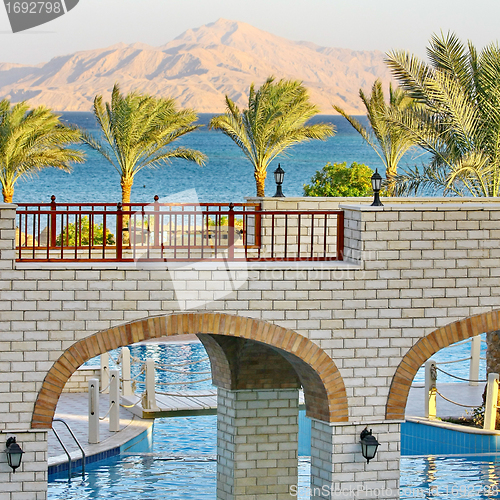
(29, 482)
(410, 269)
(79, 381)
(257, 444)
(337, 463)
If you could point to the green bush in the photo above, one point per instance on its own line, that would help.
(340, 180)
(73, 229)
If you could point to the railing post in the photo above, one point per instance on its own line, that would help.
(156, 220)
(490, 410)
(93, 411)
(119, 231)
(149, 398)
(258, 226)
(104, 372)
(430, 389)
(230, 232)
(340, 236)
(114, 401)
(53, 221)
(126, 385)
(475, 354)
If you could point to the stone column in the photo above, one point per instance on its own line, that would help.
(257, 444)
(338, 470)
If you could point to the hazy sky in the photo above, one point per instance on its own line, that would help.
(354, 24)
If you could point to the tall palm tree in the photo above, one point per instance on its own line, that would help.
(136, 129)
(458, 121)
(275, 120)
(31, 140)
(389, 142)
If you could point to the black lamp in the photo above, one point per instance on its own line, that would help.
(376, 185)
(279, 175)
(369, 444)
(14, 453)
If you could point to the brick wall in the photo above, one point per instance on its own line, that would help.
(257, 445)
(411, 269)
(337, 462)
(79, 381)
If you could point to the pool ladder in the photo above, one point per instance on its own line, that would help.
(66, 450)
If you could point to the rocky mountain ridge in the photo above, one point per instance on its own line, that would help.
(198, 68)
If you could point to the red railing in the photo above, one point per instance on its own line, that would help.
(174, 232)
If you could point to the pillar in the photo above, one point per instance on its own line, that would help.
(338, 470)
(257, 444)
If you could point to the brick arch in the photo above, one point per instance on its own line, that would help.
(425, 348)
(302, 349)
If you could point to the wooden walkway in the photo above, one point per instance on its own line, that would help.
(202, 402)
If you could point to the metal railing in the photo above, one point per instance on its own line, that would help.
(175, 232)
(66, 449)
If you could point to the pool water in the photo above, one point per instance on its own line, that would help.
(182, 463)
(182, 466)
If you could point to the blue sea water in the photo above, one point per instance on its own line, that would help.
(226, 177)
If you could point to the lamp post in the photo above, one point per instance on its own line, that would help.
(369, 444)
(14, 453)
(279, 175)
(376, 185)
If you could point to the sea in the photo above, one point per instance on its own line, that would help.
(226, 177)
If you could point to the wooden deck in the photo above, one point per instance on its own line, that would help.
(202, 402)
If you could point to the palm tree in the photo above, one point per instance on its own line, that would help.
(458, 124)
(136, 129)
(31, 140)
(389, 142)
(458, 121)
(275, 120)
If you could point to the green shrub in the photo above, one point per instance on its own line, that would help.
(340, 180)
(73, 229)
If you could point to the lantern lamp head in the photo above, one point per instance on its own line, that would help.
(14, 453)
(279, 175)
(369, 444)
(376, 186)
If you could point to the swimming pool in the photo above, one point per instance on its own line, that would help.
(182, 466)
(182, 463)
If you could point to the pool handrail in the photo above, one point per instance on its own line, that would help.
(66, 450)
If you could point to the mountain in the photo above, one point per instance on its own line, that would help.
(198, 68)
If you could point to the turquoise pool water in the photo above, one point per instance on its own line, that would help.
(182, 463)
(182, 466)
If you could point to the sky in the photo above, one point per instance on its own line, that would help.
(355, 24)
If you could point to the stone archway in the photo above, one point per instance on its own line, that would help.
(323, 385)
(425, 348)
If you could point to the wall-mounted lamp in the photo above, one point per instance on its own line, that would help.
(376, 186)
(279, 175)
(14, 453)
(369, 444)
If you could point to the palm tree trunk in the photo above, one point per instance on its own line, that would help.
(390, 173)
(8, 194)
(493, 352)
(126, 184)
(260, 181)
